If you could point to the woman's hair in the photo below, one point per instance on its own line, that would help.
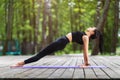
(98, 34)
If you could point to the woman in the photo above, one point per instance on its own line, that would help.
(81, 38)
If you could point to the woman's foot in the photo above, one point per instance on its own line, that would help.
(19, 64)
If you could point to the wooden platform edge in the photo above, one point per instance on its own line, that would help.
(55, 79)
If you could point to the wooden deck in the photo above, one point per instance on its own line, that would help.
(112, 72)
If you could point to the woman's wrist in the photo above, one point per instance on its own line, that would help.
(21, 63)
(87, 64)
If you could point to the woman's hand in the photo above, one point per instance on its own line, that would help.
(84, 65)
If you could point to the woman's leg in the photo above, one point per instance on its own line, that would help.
(59, 44)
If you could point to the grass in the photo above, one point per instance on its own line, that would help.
(118, 51)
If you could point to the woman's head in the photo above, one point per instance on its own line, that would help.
(90, 30)
(95, 33)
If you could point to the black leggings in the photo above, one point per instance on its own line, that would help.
(59, 44)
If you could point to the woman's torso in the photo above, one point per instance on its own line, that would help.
(76, 37)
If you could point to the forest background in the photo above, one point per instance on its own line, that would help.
(28, 26)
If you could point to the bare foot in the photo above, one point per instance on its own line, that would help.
(19, 64)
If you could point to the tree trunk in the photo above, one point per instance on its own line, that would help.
(97, 17)
(115, 28)
(44, 24)
(9, 24)
(56, 22)
(100, 26)
(24, 18)
(50, 36)
(34, 26)
(37, 26)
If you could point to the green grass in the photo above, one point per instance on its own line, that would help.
(118, 51)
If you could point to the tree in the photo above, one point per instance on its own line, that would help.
(50, 36)
(97, 16)
(100, 26)
(37, 25)
(9, 22)
(44, 25)
(116, 27)
(27, 26)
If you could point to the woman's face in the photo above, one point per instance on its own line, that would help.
(91, 30)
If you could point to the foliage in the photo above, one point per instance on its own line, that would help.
(65, 18)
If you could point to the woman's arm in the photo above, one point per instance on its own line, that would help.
(85, 49)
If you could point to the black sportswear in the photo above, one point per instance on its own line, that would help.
(77, 37)
(59, 44)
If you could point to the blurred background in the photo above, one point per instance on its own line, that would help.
(27, 26)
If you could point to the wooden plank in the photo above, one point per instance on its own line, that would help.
(98, 72)
(15, 72)
(108, 71)
(113, 66)
(7, 61)
(69, 72)
(35, 72)
(49, 72)
(57, 74)
(113, 72)
(89, 73)
(78, 73)
(29, 72)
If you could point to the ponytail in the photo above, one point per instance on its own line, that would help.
(98, 34)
